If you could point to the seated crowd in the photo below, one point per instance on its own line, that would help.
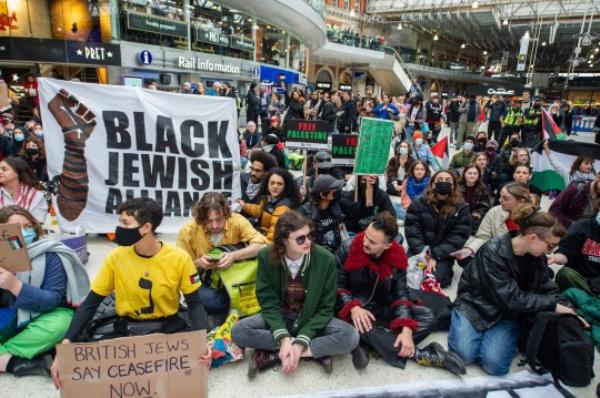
(330, 262)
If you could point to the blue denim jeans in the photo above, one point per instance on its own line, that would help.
(215, 301)
(494, 348)
(409, 130)
(400, 211)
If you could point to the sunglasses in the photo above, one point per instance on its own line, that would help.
(300, 240)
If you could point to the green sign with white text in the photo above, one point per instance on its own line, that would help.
(374, 142)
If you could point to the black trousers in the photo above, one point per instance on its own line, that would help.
(382, 339)
(494, 130)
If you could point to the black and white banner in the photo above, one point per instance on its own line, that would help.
(108, 143)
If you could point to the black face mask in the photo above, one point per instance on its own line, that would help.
(515, 143)
(482, 141)
(33, 151)
(127, 236)
(537, 106)
(443, 188)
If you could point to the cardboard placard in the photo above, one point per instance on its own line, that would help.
(373, 149)
(157, 366)
(343, 149)
(13, 253)
(307, 134)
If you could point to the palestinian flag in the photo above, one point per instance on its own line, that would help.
(550, 131)
(564, 153)
(440, 152)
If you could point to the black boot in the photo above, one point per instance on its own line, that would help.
(32, 367)
(360, 357)
(435, 356)
(326, 363)
(262, 360)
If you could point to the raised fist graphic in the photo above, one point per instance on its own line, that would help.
(77, 123)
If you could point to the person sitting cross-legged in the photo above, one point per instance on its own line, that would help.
(295, 286)
(373, 295)
(148, 278)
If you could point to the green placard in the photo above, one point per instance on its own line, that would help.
(374, 142)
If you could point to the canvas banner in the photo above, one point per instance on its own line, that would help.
(108, 143)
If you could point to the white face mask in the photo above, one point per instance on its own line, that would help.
(468, 146)
(419, 141)
(403, 151)
(38, 133)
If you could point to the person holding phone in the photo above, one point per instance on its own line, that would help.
(214, 224)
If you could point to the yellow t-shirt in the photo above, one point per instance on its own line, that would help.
(147, 288)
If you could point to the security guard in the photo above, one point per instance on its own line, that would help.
(511, 122)
(532, 124)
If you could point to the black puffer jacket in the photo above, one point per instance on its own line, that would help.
(359, 215)
(378, 286)
(444, 235)
(493, 287)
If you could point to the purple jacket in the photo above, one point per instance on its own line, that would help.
(570, 204)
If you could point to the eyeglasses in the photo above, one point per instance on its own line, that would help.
(551, 246)
(300, 240)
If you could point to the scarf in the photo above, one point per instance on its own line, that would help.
(392, 258)
(25, 196)
(78, 282)
(581, 176)
(415, 188)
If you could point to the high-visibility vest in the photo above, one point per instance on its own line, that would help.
(512, 117)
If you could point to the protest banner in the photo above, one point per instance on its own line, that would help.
(343, 149)
(106, 144)
(583, 124)
(307, 134)
(13, 253)
(373, 149)
(158, 365)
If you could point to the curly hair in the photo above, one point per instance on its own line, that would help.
(210, 201)
(578, 161)
(288, 223)
(40, 144)
(290, 189)
(447, 207)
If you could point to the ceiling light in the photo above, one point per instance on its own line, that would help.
(249, 19)
(591, 56)
(484, 52)
(475, 4)
(543, 44)
(596, 49)
(463, 45)
(436, 37)
(399, 25)
(505, 22)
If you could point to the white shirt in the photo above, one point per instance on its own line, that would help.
(294, 265)
(216, 238)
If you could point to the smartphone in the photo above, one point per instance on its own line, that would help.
(214, 257)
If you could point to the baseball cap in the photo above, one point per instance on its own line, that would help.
(323, 160)
(325, 183)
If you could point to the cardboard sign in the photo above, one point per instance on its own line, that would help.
(13, 253)
(157, 366)
(374, 143)
(343, 149)
(307, 134)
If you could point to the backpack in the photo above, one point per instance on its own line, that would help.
(559, 344)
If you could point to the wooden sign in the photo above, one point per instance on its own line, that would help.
(13, 253)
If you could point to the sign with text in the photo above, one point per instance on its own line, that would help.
(154, 24)
(212, 36)
(13, 253)
(343, 149)
(583, 124)
(109, 143)
(242, 43)
(307, 134)
(93, 53)
(158, 365)
(374, 142)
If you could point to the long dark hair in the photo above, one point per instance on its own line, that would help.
(40, 144)
(449, 206)
(480, 188)
(391, 172)
(290, 190)
(289, 222)
(23, 171)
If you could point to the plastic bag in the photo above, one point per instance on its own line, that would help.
(415, 273)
